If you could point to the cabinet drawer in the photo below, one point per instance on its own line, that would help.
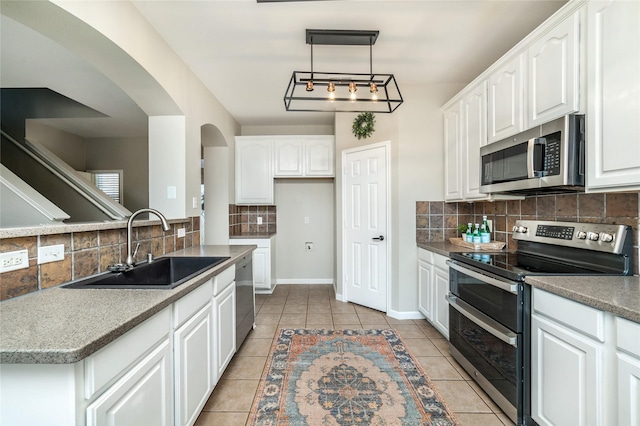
(440, 261)
(186, 307)
(425, 255)
(628, 336)
(114, 359)
(224, 279)
(582, 318)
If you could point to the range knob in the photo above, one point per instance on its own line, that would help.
(522, 229)
(593, 236)
(606, 238)
(581, 235)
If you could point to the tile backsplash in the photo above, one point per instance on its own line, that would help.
(438, 220)
(244, 219)
(87, 253)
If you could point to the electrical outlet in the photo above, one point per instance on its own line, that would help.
(259, 219)
(194, 202)
(50, 253)
(181, 233)
(306, 220)
(308, 245)
(13, 260)
(490, 223)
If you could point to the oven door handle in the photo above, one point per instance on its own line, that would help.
(482, 320)
(509, 286)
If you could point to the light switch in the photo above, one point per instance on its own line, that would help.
(171, 192)
(48, 254)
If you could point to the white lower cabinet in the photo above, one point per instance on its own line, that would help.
(425, 283)
(433, 286)
(568, 381)
(194, 365)
(224, 309)
(142, 396)
(264, 262)
(628, 374)
(585, 364)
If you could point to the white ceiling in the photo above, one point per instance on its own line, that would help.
(245, 52)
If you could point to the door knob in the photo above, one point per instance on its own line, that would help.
(380, 238)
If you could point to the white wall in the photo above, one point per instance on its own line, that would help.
(69, 147)
(167, 174)
(297, 199)
(131, 155)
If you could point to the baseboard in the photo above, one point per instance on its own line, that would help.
(340, 297)
(405, 315)
(305, 281)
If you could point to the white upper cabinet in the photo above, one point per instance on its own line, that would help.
(254, 170)
(319, 156)
(505, 100)
(613, 109)
(474, 135)
(304, 156)
(452, 160)
(553, 72)
(288, 155)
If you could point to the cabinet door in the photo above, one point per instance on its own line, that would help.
(225, 328)
(452, 160)
(193, 366)
(567, 376)
(262, 268)
(254, 171)
(288, 154)
(319, 157)
(425, 289)
(474, 135)
(553, 66)
(143, 396)
(613, 128)
(628, 390)
(505, 100)
(441, 287)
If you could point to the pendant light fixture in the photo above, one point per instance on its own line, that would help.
(342, 95)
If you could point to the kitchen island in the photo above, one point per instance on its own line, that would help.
(128, 357)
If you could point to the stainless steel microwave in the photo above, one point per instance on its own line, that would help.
(549, 157)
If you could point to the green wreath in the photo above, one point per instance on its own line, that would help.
(363, 125)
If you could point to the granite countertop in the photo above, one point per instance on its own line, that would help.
(252, 235)
(61, 228)
(618, 295)
(63, 326)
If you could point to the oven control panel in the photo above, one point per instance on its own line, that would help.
(553, 231)
(594, 236)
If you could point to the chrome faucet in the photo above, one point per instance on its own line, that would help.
(165, 227)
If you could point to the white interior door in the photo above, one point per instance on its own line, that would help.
(365, 190)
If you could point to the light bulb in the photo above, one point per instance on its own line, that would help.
(331, 88)
(352, 90)
(310, 86)
(373, 89)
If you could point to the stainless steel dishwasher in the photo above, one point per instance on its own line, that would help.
(245, 302)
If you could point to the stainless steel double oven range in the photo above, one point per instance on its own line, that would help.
(489, 303)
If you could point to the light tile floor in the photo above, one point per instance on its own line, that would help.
(314, 306)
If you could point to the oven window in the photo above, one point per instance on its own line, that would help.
(496, 303)
(507, 165)
(496, 360)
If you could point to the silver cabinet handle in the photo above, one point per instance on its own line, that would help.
(509, 286)
(492, 326)
(380, 238)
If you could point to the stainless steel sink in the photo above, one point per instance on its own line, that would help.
(163, 273)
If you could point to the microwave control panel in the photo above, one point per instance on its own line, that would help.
(552, 154)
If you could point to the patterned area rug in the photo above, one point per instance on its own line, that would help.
(345, 377)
